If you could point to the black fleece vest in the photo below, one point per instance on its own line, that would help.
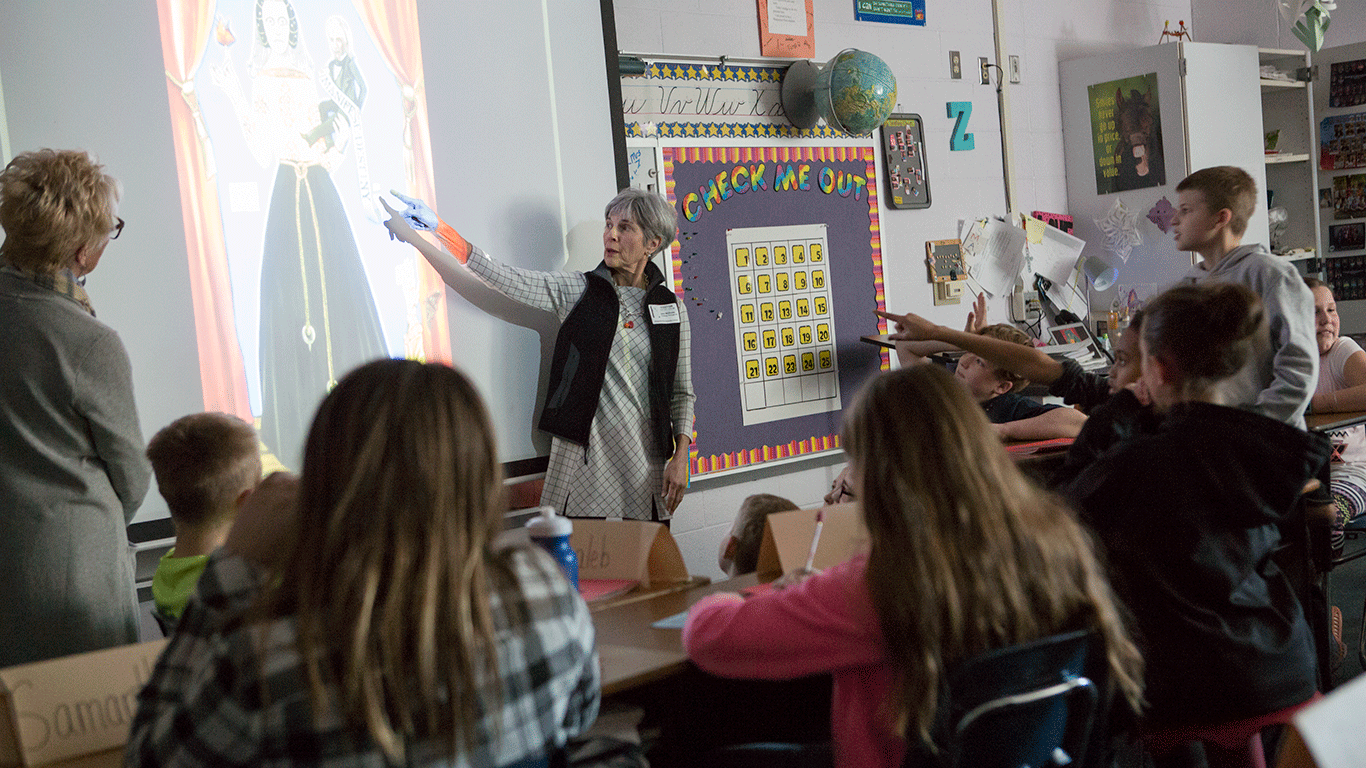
(579, 365)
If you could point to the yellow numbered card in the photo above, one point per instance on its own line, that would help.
(742, 257)
(803, 307)
(765, 284)
(789, 364)
(761, 256)
(784, 310)
(817, 252)
(789, 338)
(781, 280)
(779, 254)
(751, 369)
(751, 342)
(771, 366)
(804, 333)
(820, 305)
(746, 313)
(742, 283)
(823, 332)
(766, 311)
(770, 339)
(799, 280)
(825, 359)
(808, 362)
(817, 278)
(798, 254)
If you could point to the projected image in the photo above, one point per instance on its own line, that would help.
(291, 113)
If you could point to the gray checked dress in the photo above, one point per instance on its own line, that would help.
(618, 473)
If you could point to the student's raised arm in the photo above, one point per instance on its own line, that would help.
(1016, 358)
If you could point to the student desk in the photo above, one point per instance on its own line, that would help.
(632, 652)
(1324, 422)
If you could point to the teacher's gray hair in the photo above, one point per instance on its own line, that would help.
(649, 210)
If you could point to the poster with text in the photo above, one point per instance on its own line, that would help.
(1126, 131)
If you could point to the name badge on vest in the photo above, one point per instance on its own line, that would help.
(664, 314)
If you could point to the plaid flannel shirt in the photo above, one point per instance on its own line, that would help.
(204, 704)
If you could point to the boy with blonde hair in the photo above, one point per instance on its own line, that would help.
(206, 464)
(740, 550)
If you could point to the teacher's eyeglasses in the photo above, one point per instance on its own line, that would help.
(118, 228)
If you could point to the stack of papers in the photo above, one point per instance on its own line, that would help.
(1082, 351)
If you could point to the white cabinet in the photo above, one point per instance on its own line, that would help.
(1209, 99)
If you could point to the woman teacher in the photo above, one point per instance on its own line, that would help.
(72, 469)
(619, 405)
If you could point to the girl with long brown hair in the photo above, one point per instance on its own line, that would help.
(965, 556)
(392, 631)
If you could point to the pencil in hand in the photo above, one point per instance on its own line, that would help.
(815, 540)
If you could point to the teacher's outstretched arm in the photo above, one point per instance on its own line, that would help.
(403, 225)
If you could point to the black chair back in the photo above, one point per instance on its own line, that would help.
(1041, 703)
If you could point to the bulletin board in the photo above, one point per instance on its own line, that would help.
(779, 263)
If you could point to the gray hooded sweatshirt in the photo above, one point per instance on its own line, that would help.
(1279, 379)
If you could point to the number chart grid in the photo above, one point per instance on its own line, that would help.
(783, 316)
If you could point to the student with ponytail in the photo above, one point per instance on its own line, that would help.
(1190, 514)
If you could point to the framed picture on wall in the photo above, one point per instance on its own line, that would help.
(1347, 86)
(1347, 237)
(1349, 196)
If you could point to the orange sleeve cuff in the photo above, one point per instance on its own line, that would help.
(453, 241)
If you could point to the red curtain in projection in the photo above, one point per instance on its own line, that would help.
(392, 24)
(185, 28)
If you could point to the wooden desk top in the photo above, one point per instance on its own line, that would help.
(1322, 422)
(633, 652)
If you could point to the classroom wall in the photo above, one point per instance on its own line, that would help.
(1234, 21)
(1042, 32)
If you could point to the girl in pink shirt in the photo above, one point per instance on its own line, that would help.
(965, 556)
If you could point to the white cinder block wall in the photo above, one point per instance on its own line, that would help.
(1042, 32)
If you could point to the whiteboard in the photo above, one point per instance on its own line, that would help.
(521, 156)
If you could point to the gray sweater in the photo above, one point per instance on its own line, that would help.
(1280, 378)
(72, 474)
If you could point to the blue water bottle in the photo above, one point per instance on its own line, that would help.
(552, 532)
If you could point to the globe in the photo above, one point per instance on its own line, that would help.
(855, 92)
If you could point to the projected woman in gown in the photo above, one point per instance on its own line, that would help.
(318, 319)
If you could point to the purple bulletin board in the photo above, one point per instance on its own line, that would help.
(821, 203)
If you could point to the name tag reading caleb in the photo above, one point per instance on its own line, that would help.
(664, 314)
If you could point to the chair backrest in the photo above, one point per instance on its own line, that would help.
(1035, 704)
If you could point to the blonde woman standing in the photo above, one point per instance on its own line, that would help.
(72, 472)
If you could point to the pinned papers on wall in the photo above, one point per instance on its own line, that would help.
(1055, 257)
(993, 253)
(1120, 227)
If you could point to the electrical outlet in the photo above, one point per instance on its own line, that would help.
(948, 292)
(986, 71)
(1014, 68)
(955, 65)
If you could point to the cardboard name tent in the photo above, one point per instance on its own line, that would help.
(787, 539)
(617, 555)
(75, 711)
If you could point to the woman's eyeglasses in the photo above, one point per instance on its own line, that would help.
(118, 228)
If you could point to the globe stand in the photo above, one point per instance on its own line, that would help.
(798, 94)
